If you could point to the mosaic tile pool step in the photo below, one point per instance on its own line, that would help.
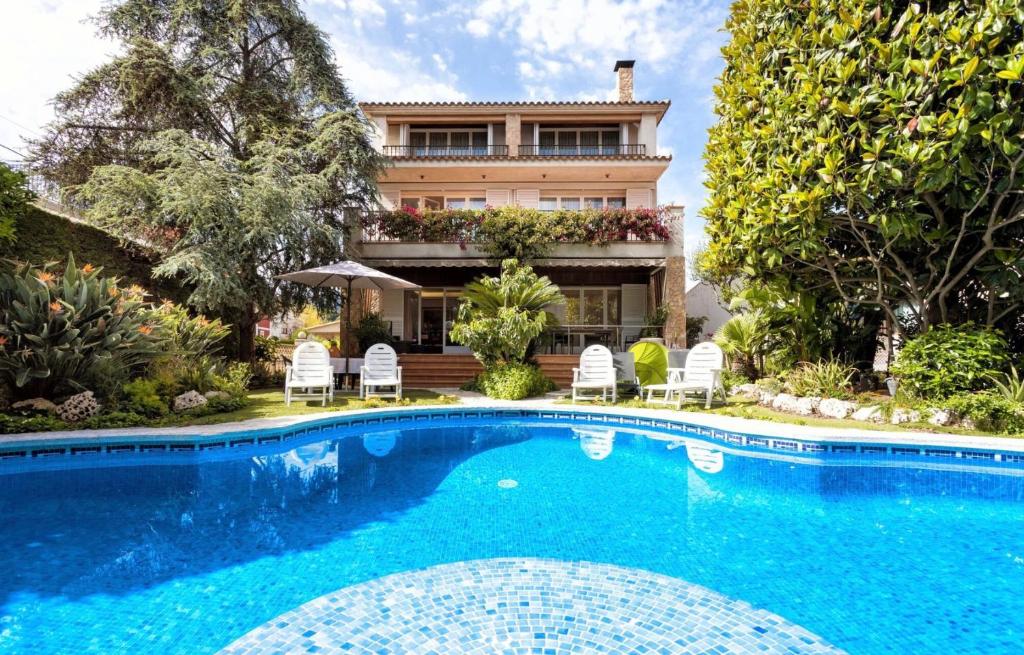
(527, 606)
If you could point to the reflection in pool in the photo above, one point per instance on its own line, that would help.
(187, 557)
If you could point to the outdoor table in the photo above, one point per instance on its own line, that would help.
(354, 364)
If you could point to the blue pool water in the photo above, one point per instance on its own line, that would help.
(148, 555)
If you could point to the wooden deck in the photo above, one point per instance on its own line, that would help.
(424, 371)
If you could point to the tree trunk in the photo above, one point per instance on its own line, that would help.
(247, 335)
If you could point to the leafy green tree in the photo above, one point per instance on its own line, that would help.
(874, 151)
(224, 136)
(14, 198)
(500, 316)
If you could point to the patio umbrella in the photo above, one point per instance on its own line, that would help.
(349, 275)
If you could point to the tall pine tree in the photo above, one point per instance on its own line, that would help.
(223, 136)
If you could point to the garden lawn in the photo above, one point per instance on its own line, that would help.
(269, 403)
(743, 407)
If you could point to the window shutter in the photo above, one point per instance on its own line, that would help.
(498, 197)
(634, 308)
(392, 309)
(637, 198)
(528, 198)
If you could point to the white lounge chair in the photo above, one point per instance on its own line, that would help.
(596, 371)
(703, 374)
(380, 369)
(310, 369)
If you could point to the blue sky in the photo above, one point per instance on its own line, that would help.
(456, 50)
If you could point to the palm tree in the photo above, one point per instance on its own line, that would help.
(742, 338)
(499, 317)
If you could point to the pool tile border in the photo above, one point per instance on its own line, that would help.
(207, 439)
(183, 442)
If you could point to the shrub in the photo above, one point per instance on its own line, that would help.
(731, 380)
(948, 359)
(14, 424)
(1010, 385)
(825, 379)
(142, 396)
(14, 199)
(500, 316)
(234, 380)
(514, 381)
(988, 411)
(372, 329)
(61, 333)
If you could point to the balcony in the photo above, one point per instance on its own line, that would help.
(451, 152)
(625, 236)
(621, 150)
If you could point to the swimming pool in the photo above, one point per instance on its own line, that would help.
(174, 553)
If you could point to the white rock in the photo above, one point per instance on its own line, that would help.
(189, 400)
(78, 407)
(767, 397)
(870, 413)
(937, 416)
(805, 406)
(905, 416)
(749, 390)
(785, 402)
(835, 408)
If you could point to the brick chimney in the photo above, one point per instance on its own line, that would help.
(624, 67)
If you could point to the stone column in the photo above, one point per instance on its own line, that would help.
(513, 134)
(674, 296)
(675, 300)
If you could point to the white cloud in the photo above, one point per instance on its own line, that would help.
(439, 61)
(59, 46)
(557, 38)
(378, 74)
(478, 27)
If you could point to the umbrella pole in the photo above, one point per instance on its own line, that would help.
(348, 323)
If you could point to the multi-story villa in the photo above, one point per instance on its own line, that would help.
(545, 156)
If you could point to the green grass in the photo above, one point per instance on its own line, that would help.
(743, 407)
(269, 403)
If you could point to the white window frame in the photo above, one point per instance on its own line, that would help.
(448, 132)
(579, 293)
(419, 198)
(579, 132)
(582, 200)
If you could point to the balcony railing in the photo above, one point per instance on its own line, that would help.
(626, 149)
(445, 151)
(466, 226)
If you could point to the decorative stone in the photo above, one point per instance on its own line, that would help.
(767, 397)
(870, 413)
(905, 416)
(78, 407)
(189, 400)
(785, 402)
(748, 390)
(937, 416)
(35, 405)
(210, 395)
(835, 408)
(805, 406)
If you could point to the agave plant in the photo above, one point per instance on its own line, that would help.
(1010, 386)
(826, 379)
(62, 332)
